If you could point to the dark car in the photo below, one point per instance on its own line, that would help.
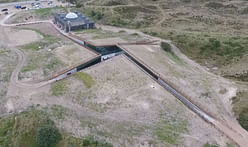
(18, 6)
(24, 7)
(6, 13)
(4, 10)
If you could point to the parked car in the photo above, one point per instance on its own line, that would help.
(4, 10)
(24, 7)
(6, 13)
(18, 6)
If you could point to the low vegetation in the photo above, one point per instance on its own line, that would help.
(59, 88)
(47, 136)
(7, 63)
(39, 57)
(43, 60)
(170, 131)
(167, 48)
(21, 129)
(34, 128)
(85, 78)
(84, 142)
(48, 12)
(240, 108)
(45, 42)
(210, 145)
(215, 49)
(58, 111)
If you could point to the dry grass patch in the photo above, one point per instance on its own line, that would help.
(85, 78)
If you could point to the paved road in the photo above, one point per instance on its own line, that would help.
(17, 3)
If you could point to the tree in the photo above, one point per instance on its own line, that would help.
(47, 136)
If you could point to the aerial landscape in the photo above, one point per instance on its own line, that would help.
(123, 73)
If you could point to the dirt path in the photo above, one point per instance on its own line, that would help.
(163, 16)
(14, 81)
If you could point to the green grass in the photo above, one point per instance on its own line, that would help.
(170, 131)
(21, 129)
(41, 58)
(85, 78)
(124, 16)
(101, 34)
(46, 41)
(167, 48)
(47, 136)
(6, 126)
(59, 88)
(4, 52)
(8, 63)
(70, 141)
(210, 145)
(27, 128)
(44, 60)
(243, 118)
(33, 46)
(58, 111)
(240, 103)
(216, 49)
(30, 67)
(88, 31)
(48, 12)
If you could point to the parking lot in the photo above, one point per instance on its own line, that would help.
(28, 5)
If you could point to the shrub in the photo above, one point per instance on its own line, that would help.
(47, 136)
(243, 119)
(166, 47)
(91, 142)
(210, 145)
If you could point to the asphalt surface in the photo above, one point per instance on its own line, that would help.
(20, 3)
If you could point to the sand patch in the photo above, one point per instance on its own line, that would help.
(73, 54)
(25, 37)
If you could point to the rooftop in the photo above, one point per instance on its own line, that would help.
(71, 15)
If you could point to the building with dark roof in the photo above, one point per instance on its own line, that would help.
(73, 21)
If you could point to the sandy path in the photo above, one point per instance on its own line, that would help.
(14, 81)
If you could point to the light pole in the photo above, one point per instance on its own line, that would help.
(69, 25)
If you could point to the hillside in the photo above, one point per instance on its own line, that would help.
(114, 102)
(209, 32)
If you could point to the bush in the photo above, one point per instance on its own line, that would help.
(96, 15)
(212, 44)
(210, 145)
(166, 47)
(243, 119)
(115, 2)
(47, 136)
(91, 142)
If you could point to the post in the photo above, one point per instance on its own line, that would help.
(69, 25)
